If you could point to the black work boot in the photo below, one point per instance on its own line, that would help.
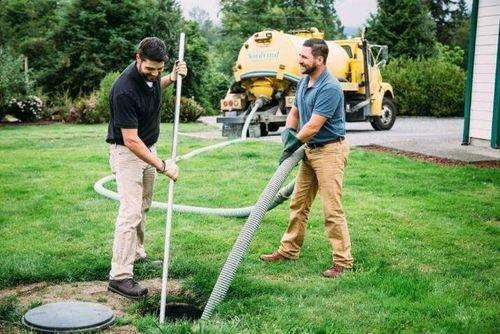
(128, 288)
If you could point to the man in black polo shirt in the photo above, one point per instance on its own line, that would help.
(134, 127)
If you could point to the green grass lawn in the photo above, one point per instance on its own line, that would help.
(425, 237)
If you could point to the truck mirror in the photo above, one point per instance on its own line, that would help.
(380, 54)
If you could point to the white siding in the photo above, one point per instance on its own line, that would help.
(484, 119)
(480, 106)
(488, 3)
(485, 78)
(480, 134)
(487, 50)
(485, 59)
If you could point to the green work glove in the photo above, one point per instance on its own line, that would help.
(290, 143)
(287, 134)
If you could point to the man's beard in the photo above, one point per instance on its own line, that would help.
(148, 77)
(308, 70)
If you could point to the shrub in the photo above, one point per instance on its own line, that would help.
(25, 109)
(12, 80)
(89, 113)
(58, 107)
(453, 55)
(90, 109)
(431, 87)
(84, 111)
(190, 110)
(167, 104)
(102, 104)
(215, 85)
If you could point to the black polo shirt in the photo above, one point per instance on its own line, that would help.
(134, 105)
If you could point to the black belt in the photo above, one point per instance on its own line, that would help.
(116, 144)
(316, 145)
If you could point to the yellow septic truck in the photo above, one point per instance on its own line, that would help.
(267, 71)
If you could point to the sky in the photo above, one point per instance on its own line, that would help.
(352, 13)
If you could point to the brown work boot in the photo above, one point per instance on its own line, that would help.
(274, 257)
(335, 272)
(128, 288)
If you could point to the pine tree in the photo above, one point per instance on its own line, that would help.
(405, 26)
(92, 38)
(452, 21)
(22, 20)
(95, 37)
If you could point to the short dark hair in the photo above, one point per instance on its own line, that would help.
(152, 48)
(318, 47)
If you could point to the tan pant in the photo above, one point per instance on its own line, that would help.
(322, 168)
(135, 180)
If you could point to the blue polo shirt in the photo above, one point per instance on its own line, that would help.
(324, 98)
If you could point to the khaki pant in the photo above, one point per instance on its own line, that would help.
(135, 180)
(322, 169)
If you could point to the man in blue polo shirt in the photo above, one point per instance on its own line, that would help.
(134, 127)
(318, 116)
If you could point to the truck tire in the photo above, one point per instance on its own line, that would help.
(263, 129)
(273, 127)
(388, 117)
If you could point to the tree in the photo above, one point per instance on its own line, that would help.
(207, 28)
(452, 21)
(318, 13)
(405, 26)
(12, 81)
(214, 83)
(197, 58)
(25, 25)
(95, 37)
(21, 20)
(92, 38)
(167, 23)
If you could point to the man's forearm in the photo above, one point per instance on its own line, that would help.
(137, 146)
(311, 128)
(307, 133)
(165, 81)
(292, 120)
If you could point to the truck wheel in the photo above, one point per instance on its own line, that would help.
(263, 129)
(273, 127)
(388, 117)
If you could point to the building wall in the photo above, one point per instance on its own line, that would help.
(485, 62)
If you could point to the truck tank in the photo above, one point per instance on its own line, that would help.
(268, 62)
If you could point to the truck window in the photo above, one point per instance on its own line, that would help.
(347, 49)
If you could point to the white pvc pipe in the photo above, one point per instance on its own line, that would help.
(224, 212)
(170, 202)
